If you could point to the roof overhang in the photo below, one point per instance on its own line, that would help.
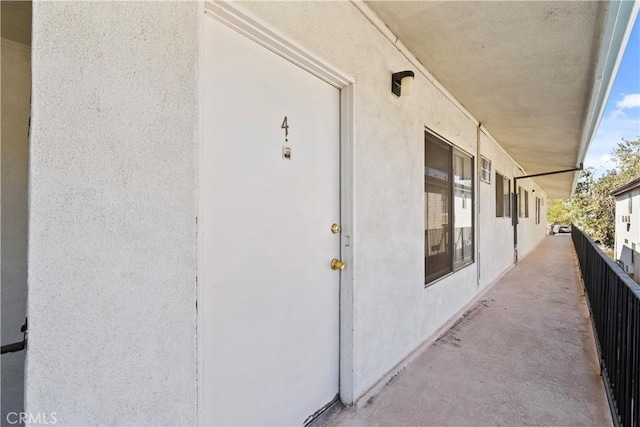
(630, 186)
(536, 75)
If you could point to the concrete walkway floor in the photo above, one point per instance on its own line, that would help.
(523, 355)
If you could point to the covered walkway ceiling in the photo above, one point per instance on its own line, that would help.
(533, 73)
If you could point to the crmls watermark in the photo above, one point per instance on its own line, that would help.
(39, 418)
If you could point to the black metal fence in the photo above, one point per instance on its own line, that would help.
(614, 302)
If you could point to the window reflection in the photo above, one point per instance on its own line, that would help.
(449, 187)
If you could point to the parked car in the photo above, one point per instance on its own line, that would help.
(564, 229)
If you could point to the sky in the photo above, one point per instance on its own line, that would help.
(621, 118)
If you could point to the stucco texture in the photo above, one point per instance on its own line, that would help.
(531, 92)
(16, 88)
(495, 240)
(524, 355)
(112, 213)
(627, 232)
(389, 184)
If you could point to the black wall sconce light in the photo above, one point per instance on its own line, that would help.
(402, 82)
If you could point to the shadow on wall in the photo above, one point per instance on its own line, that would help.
(16, 93)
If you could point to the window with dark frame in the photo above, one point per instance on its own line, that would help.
(538, 204)
(523, 203)
(503, 196)
(520, 210)
(449, 201)
(463, 210)
(485, 172)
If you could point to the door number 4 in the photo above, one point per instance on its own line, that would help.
(285, 126)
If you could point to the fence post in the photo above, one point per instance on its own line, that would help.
(613, 299)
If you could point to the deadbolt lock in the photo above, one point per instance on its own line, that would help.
(335, 229)
(336, 264)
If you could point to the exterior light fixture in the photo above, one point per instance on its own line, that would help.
(402, 82)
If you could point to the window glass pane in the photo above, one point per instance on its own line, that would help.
(523, 203)
(462, 209)
(486, 170)
(437, 187)
(499, 195)
(520, 203)
(506, 197)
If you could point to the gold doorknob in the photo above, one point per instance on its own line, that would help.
(336, 264)
(335, 228)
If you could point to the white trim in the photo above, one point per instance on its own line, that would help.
(478, 203)
(618, 25)
(348, 219)
(386, 32)
(241, 20)
(236, 17)
(486, 132)
(199, 162)
(615, 37)
(395, 41)
(482, 169)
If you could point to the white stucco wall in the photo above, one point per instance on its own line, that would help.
(393, 310)
(496, 233)
(112, 213)
(16, 88)
(530, 233)
(627, 236)
(496, 252)
(112, 246)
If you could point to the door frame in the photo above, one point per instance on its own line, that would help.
(241, 20)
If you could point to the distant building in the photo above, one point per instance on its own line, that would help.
(628, 227)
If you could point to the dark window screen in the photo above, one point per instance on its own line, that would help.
(437, 188)
(503, 203)
(499, 193)
(462, 209)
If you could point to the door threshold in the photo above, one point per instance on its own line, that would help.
(322, 415)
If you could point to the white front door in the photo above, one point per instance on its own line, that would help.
(269, 189)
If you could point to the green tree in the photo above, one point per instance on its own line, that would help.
(559, 212)
(627, 158)
(592, 208)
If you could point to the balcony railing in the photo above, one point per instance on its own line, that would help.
(614, 303)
